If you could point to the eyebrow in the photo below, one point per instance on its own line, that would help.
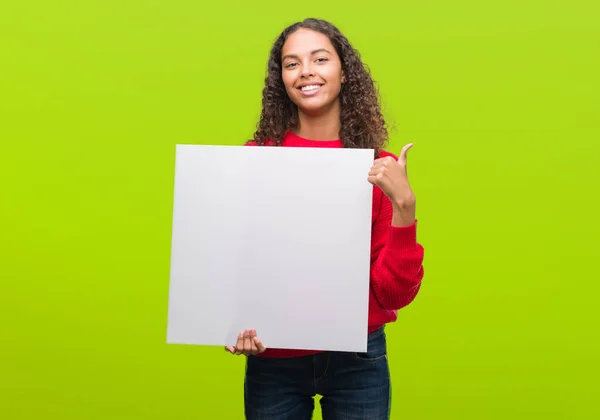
(313, 52)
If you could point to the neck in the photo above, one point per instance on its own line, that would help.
(324, 126)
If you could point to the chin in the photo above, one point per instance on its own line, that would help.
(314, 107)
(311, 108)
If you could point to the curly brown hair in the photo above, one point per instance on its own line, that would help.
(362, 123)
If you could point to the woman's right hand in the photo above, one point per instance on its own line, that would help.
(247, 344)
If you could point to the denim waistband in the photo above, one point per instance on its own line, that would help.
(377, 332)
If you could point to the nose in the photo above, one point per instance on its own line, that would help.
(307, 71)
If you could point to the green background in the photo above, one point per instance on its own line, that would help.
(500, 99)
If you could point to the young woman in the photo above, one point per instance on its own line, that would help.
(318, 93)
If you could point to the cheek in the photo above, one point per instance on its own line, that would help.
(334, 79)
(336, 87)
(288, 81)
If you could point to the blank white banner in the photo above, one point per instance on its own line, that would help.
(271, 238)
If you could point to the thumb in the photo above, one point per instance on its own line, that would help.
(403, 153)
(230, 349)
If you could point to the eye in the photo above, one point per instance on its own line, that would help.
(289, 65)
(322, 60)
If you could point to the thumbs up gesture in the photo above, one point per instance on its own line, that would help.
(391, 176)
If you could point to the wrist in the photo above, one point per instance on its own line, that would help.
(404, 203)
(402, 219)
(404, 213)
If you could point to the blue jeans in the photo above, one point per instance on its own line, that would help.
(352, 385)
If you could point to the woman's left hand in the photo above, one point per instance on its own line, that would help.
(392, 177)
(247, 344)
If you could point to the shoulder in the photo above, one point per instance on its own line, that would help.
(254, 143)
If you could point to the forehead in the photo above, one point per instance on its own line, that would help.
(303, 41)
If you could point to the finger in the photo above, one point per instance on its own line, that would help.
(381, 170)
(404, 152)
(381, 165)
(375, 179)
(230, 349)
(259, 345)
(247, 342)
(239, 346)
(254, 349)
(386, 161)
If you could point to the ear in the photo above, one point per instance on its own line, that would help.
(343, 79)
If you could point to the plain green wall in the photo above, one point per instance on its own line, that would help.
(500, 99)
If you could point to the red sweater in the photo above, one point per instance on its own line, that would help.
(396, 257)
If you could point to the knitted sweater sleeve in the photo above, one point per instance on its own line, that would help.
(396, 260)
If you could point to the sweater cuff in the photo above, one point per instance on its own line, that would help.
(403, 237)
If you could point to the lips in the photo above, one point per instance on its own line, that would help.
(309, 89)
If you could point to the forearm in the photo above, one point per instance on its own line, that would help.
(397, 273)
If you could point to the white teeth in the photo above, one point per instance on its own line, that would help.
(311, 87)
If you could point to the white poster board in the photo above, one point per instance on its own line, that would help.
(275, 239)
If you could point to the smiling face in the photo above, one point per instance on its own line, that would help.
(311, 71)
